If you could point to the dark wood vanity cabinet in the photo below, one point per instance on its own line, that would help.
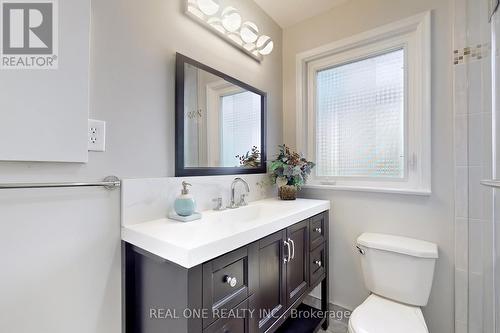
(271, 301)
(252, 289)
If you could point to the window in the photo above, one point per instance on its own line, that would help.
(240, 125)
(360, 118)
(364, 110)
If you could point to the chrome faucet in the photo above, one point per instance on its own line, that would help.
(233, 204)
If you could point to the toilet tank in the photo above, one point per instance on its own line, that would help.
(398, 268)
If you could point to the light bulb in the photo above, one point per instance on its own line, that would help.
(265, 45)
(231, 19)
(249, 32)
(209, 7)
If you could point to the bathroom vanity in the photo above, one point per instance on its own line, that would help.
(242, 270)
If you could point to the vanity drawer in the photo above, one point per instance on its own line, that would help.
(317, 230)
(238, 320)
(228, 280)
(317, 264)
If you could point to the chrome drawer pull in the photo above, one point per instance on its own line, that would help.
(318, 230)
(317, 262)
(293, 248)
(287, 259)
(232, 281)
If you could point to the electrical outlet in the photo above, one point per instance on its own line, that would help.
(97, 135)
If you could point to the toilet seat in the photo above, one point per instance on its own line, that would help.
(381, 315)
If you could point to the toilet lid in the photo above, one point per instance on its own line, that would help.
(380, 315)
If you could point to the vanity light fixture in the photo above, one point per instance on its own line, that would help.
(228, 24)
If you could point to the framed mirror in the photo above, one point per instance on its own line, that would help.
(220, 122)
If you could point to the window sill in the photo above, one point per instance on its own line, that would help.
(422, 192)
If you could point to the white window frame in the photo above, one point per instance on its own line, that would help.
(414, 36)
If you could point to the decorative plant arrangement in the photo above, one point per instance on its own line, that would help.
(251, 159)
(290, 172)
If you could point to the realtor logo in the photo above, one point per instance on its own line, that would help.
(29, 34)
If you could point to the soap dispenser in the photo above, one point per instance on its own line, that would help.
(185, 205)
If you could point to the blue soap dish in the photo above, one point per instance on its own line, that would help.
(194, 216)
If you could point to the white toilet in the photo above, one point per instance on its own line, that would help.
(399, 272)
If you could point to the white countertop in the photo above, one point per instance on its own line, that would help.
(191, 243)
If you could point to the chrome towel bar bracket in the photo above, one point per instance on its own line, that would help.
(491, 183)
(495, 5)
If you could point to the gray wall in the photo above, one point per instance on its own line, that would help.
(61, 266)
(429, 218)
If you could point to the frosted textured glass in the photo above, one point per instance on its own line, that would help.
(360, 118)
(240, 118)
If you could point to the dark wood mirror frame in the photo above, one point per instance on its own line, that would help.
(180, 169)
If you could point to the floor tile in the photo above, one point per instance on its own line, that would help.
(336, 327)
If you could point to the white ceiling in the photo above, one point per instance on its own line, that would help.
(289, 12)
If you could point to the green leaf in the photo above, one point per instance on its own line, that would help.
(276, 165)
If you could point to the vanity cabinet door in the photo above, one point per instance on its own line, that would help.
(297, 266)
(271, 300)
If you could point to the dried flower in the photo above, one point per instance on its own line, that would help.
(290, 168)
(251, 159)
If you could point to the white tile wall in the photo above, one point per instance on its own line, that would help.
(476, 239)
(460, 90)
(487, 144)
(461, 155)
(460, 327)
(474, 87)
(461, 244)
(473, 202)
(461, 296)
(476, 202)
(461, 192)
(475, 139)
(476, 296)
(459, 26)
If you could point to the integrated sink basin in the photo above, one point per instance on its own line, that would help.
(191, 243)
(259, 210)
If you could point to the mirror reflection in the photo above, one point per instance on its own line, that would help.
(222, 122)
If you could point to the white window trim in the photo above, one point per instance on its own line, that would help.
(414, 35)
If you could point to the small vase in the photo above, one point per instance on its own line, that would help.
(287, 192)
